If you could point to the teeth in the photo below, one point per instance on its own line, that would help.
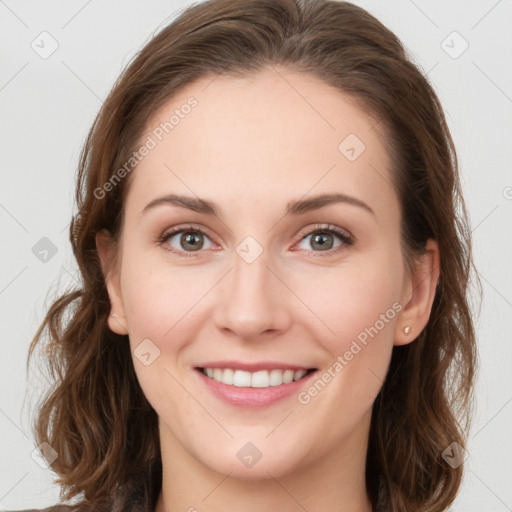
(261, 379)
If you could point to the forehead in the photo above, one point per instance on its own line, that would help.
(275, 135)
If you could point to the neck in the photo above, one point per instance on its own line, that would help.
(335, 482)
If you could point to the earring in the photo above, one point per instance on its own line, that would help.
(407, 329)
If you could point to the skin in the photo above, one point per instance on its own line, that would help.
(251, 145)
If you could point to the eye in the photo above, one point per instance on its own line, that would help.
(185, 241)
(323, 239)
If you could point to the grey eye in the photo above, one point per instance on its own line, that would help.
(321, 241)
(190, 241)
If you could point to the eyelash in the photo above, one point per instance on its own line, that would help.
(347, 239)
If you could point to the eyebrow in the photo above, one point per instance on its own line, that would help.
(297, 207)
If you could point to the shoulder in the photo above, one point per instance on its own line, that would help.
(54, 508)
(131, 502)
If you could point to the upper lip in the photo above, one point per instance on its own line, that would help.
(254, 366)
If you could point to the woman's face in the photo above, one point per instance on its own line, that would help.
(259, 275)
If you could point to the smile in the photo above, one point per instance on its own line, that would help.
(259, 379)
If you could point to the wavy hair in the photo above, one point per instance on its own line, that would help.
(96, 416)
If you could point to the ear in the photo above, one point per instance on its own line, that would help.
(107, 255)
(418, 295)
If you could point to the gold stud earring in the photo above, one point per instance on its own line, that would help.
(407, 329)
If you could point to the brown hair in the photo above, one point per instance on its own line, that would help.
(96, 416)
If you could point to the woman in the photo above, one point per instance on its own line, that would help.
(274, 255)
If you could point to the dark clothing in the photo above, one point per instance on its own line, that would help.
(54, 508)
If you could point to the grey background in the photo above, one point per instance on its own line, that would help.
(48, 105)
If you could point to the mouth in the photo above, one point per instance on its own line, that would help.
(258, 379)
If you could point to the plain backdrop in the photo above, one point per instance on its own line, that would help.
(58, 61)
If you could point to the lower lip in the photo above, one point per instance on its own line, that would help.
(254, 397)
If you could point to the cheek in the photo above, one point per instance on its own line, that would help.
(357, 310)
(160, 307)
(354, 299)
(342, 304)
(159, 300)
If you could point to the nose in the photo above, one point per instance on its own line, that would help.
(252, 301)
